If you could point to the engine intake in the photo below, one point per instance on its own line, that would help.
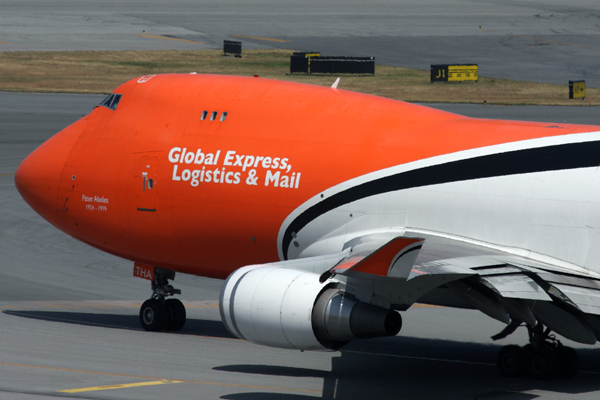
(289, 308)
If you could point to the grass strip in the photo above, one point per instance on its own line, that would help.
(103, 71)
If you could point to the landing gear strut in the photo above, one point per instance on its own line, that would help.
(157, 313)
(543, 358)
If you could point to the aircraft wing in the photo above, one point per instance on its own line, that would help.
(417, 267)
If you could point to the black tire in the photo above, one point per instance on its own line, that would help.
(543, 364)
(175, 315)
(568, 361)
(153, 315)
(511, 361)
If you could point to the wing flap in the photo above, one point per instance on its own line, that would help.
(587, 300)
(517, 286)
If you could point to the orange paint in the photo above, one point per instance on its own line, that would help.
(381, 261)
(143, 271)
(110, 179)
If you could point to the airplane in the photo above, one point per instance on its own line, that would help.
(331, 212)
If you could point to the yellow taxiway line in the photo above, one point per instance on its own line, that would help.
(262, 38)
(123, 386)
(12, 173)
(168, 38)
(156, 379)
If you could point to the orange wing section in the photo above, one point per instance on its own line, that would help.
(385, 259)
(382, 261)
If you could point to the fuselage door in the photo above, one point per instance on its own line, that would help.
(146, 184)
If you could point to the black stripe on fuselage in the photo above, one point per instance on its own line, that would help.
(550, 158)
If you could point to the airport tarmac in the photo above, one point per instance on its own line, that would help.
(70, 315)
(545, 40)
(69, 321)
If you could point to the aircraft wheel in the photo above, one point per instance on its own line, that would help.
(543, 364)
(175, 315)
(511, 361)
(568, 361)
(153, 315)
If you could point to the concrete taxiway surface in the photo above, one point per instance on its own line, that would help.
(538, 40)
(69, 322)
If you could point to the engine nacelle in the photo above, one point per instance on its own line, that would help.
(289, 308)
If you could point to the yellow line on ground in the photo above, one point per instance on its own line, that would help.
(168, 38)
(154, 378)
(553, 42)
(262, 38)
(123, 386)
(10, 173)
(80, 371)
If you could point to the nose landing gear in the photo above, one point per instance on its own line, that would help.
(158, 313)
(543, 358)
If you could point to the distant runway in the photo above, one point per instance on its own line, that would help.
(545, 41)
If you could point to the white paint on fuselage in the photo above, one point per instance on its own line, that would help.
(552, 216)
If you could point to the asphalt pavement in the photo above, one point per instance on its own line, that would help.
(69, 321)
(545, 40)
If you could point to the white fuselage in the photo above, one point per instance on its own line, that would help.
(551, 216)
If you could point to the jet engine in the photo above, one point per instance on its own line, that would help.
(289, 308)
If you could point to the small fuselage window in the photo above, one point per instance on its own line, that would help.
(111, 101)
(213, 116)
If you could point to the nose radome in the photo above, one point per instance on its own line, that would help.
(38, 177)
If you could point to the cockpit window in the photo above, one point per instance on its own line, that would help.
(111, 101)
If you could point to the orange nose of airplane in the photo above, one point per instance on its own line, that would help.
(38, 177)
